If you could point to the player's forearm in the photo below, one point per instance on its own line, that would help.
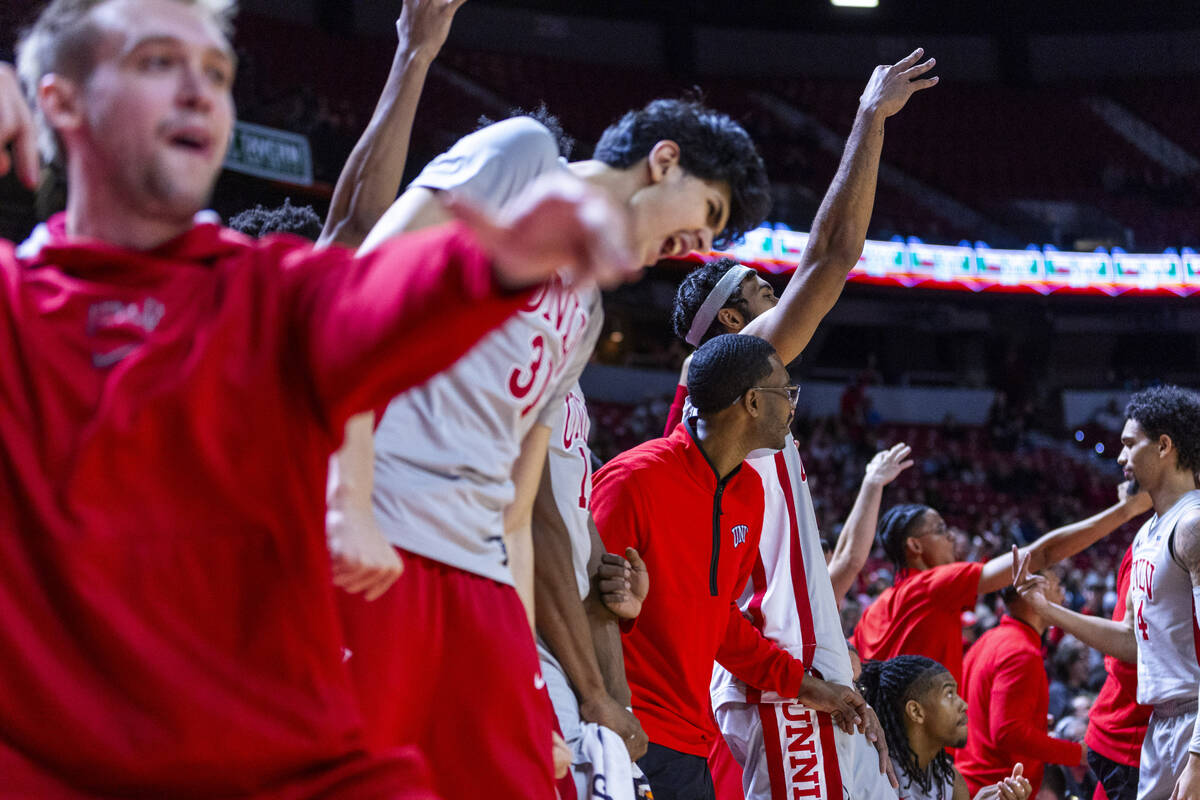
(518, 542)
(605, 629)
(371, 177)
(1070, 539)
(858, 535)
(1024, 742)
(834, 245)
(561, 619)
(1111, 638)
(352, 467)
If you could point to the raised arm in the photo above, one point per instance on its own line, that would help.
(858, 534)
(1116, 639)
(371, 177)
(840, 227)
(1066, 541)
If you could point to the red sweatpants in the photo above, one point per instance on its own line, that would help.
(445, 660)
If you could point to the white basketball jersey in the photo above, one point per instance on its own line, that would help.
(1164, 613)
(570, 465)
(445, 450)
(789, 597)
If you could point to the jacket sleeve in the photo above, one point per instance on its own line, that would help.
(619, 517)
(370, 327)
(1013, 720)
(675, 415)
(754, 659)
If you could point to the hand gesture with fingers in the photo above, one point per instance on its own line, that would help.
(887, 465)
(891, 85)
(557, 222)
(1032, 588)
(1013, 787)
(18, 136)
(623, 583)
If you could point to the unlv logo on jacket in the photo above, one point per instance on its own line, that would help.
(554, 314)
(739, 534)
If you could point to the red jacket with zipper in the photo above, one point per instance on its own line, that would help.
(699, 536)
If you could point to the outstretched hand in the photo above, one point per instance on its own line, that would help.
(558, 222)
(892, 84)
(18, 136)
(1032, 588)
(887, 465)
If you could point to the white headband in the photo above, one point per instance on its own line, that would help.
(715, 301)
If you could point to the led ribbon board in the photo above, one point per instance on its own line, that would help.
(979, 268)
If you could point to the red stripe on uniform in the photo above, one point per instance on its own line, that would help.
(758, 579)
(833, 773)
(1195, 630)
(799, 578)
(774, 748)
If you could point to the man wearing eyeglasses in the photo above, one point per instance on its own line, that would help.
(694, 512)
(792, 597)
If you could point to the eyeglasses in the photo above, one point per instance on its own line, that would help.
(792, 390)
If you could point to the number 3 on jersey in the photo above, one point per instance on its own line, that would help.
(1141, 621)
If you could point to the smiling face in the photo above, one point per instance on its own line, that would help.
(676, 213)
(151, 123)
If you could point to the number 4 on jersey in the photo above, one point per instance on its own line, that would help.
(1141, 621)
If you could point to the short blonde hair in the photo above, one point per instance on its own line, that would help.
(60, 40)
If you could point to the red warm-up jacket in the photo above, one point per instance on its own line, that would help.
(698, 535)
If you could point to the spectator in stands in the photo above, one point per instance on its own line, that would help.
(921, 613)
(1070, 669)
(922, 714)
(1008, 696)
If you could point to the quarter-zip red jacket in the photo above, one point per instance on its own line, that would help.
(699, 536)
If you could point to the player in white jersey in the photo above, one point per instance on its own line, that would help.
(459, 460)
(782, 747)
(1161, 453)
(563, 530)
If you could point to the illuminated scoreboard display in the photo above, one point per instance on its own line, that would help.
(979, 268)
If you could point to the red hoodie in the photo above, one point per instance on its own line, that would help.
(166, 612)
(699, 537)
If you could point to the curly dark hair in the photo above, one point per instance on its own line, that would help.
(695, 290)
(724, 367)
(887, 686)
(895, 526)
(1174, 411)
(542, 114)
(712, 147)
(287, 218)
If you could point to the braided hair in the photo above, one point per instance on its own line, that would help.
(888, 686)
(895, 526)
